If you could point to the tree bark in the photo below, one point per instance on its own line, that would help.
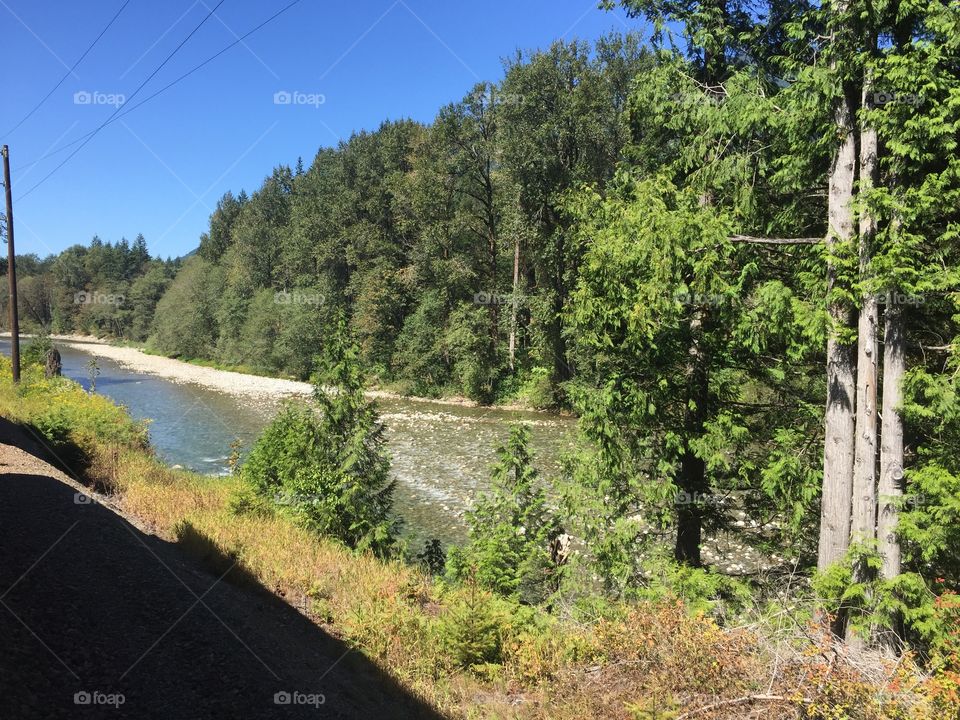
(839, 420)
(514, 300)
(692, 480)
(891, 448)
(864, 514)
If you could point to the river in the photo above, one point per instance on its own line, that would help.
(441, 454)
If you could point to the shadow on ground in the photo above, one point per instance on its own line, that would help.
(93, 611)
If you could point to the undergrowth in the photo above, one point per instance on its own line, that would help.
(469, 653)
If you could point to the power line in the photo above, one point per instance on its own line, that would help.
(164, 88)
(126, 100)
(69, 72)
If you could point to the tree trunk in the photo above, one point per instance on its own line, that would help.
(692, 480)
(515, 299)
(839, 421)
(864, 513)
(891, 448)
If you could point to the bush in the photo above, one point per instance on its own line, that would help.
(326, 460)
(510, 530)
(432, 557)
(35, 351)
(537, 389)
(475, 364)
(471, 629)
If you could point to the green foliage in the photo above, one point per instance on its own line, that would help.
(471, 629)
(35, 351)
(632, 181)
(185, 321)
(326, 460)
(510, 530)
(104, 289)
(66, 416)
(662, 287)
(433, 558)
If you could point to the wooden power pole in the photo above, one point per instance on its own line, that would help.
(11, 271)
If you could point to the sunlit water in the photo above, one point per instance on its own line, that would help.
(441, 454)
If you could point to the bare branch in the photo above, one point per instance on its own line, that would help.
(741, 701)
(776, 241)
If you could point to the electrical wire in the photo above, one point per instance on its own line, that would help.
(69, 72)
(126, 100)
(164, 88)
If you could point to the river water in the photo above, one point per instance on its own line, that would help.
(441, 454)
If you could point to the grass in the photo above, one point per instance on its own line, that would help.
(468, 653)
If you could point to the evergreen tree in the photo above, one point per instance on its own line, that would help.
(510, 529)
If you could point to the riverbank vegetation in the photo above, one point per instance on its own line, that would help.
(476, 652)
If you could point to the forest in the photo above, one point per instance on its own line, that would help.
(731, 250)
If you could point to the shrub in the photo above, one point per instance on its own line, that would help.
(471, 629)
(35, 351)
(511, 529)
(327, 462)
(432, 557)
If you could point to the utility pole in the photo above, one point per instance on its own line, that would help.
(11, 271)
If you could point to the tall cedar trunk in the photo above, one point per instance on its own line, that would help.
(839, 422)
(863, 519)
(515, 299)
(864, 506)
(692, 480)
(891, 447)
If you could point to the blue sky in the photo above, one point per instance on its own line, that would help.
(160, 169)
